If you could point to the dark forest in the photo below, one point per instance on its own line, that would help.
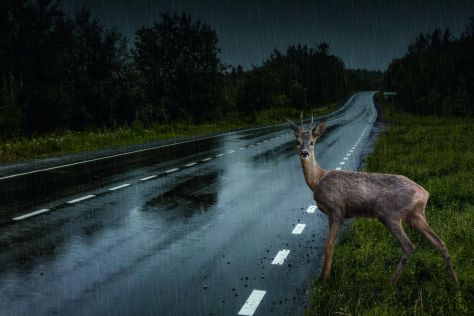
(67, 71)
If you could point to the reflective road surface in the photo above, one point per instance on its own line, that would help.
(219, 226)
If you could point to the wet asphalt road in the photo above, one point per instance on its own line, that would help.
(190, 229)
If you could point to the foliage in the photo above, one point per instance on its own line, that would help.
(64, 72)
(57, 71)
(436, 152)
(302, 77)
(436, 75)
(179, 61)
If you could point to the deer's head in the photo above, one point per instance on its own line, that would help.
(305, 139)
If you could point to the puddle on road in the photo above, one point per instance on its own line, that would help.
(188, 197)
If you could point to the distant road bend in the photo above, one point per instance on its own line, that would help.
(224, 225)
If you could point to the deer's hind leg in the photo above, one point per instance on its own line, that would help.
(395, 227)
(418, 221)
(335, 221)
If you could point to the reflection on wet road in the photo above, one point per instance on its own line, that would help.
(191, 229)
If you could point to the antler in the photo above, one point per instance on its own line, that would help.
(301, 117)
(293, 126)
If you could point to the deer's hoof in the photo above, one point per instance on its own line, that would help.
(325, 277)
(393, 280)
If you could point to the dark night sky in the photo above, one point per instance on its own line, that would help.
(366, 34)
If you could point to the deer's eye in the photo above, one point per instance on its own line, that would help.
(311, 143)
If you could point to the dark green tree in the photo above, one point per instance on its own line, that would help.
(96, 77)
(179, 61)
(59, 71)
(436, 75)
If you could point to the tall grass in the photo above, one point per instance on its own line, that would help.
(438, 153)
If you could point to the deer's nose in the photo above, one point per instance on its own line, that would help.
(304, 154)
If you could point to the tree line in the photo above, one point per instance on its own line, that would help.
(67, 71)
(436, 74)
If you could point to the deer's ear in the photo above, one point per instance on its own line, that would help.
(319, 129)
(293, 126)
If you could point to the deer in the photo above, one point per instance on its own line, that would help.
(344, 194)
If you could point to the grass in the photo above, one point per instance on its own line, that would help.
(68, 142)
(438, 153)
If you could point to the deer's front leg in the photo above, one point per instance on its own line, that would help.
(334, 225)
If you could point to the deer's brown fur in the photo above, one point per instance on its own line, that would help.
(390, 198)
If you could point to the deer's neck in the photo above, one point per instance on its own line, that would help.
(312, 172)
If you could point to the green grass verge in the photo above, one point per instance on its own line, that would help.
(438, 153)
(73, 142)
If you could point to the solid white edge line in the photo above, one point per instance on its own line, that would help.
(172, 170)
(252, 302)
(191, 164)
(44, 210)
(135, 151)
(298, 229)
(311, 209)
(119, 187)
(148, 178)
(90, 196)
(280, 257)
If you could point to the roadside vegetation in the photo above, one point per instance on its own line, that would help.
(24, 148)
(438, 153)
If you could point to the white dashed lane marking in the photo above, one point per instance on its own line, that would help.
(311, 209)
(149, 178)
(191, 164)
(220, 155)
(338, 168)
(30, 214)
(252, 303)
(206, 159)
(81, 199)
(298, 229)
(280, 257)
(342, 163)
(119, 187)
(172, 170)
